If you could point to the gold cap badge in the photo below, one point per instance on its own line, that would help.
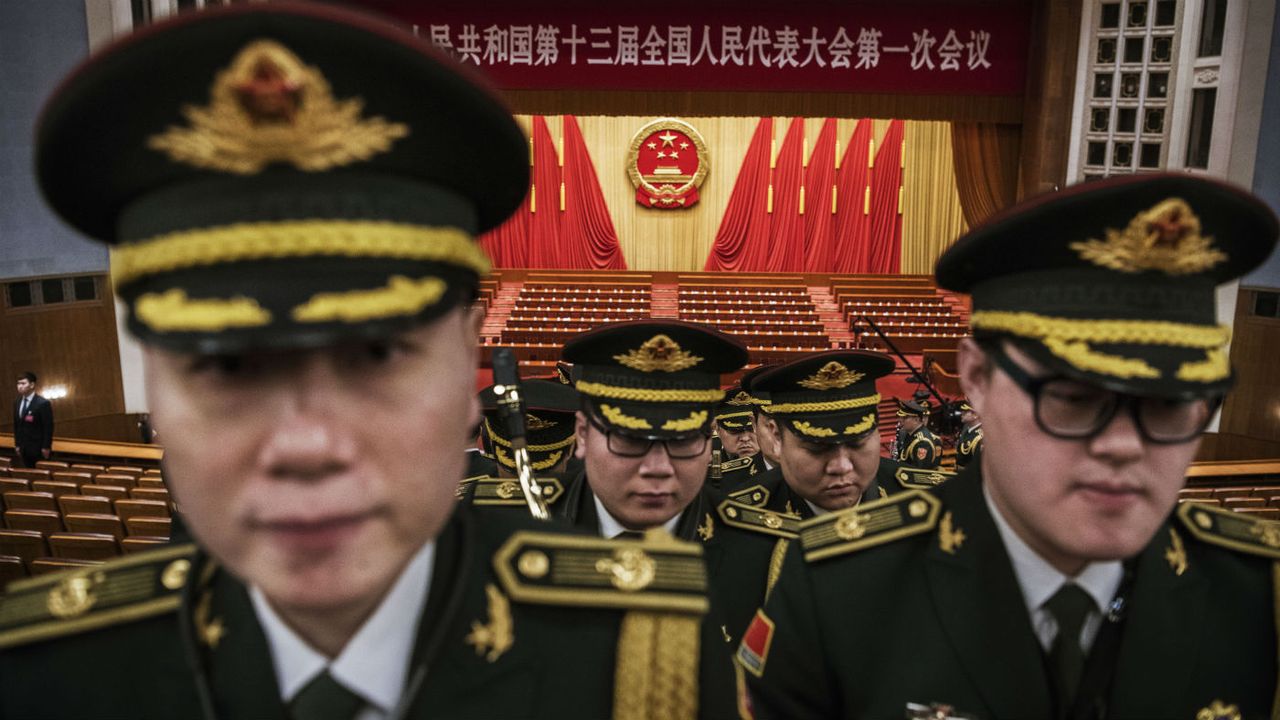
(268, 106)
(658, 353)
(831, 376)
(1165, 238)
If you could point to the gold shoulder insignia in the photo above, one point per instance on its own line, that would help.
(921, 479)
(461, 492)
(657, 573)
(491, 491)
(1229, 529)
(756, 495)
(749, 517)
(737, 463)
(869, 524)
(66, 603)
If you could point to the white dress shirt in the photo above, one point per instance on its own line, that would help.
(375, 662)
(610, 527)
(1039, 581)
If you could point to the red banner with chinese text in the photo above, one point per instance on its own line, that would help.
(817, 46)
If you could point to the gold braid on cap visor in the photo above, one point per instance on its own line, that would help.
(825, 406)
(1069, 339)
(295, 239)
(531, 448)
(614, 392)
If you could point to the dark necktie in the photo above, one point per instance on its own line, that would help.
(1069, 607)
(22, 412)
(324, 699)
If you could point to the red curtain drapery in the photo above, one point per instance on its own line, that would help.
(786, 226)
(742, 240)
(544, 220)
(885, 249)
(852, 220)
(819, 186)
(587, 236)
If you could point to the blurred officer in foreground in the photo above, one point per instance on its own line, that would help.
(1054, 578)
(291, 194)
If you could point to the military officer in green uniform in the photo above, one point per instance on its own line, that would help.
(550, 408)
(739, 477)
(1054, 578)
(291, 208)
(969, 439)
(920, 447)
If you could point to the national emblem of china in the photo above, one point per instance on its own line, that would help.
(667, 164)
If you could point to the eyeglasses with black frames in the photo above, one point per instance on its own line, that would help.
(1073, 410)
(681, 448)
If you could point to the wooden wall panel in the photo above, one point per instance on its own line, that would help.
(1252, 409)
(73, 345)
(1051, 80)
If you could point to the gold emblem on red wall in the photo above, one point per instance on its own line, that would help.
(667, 164)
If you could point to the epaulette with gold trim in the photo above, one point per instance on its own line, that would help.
(921, 479)
(738, 463)
(656, 573)
(757, 495)
(869, 524)
(461, 491)
(132, 588)
(749, 517)
(491, 491)
(1230, 529)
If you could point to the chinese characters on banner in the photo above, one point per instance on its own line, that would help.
(872, 47)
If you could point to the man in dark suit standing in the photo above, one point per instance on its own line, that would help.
(32, 422)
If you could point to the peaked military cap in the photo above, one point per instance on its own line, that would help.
(759, 398)
(911, 408)
(305, 174)
(653, 378)
(828, 396)
(1113, 282)
(550, 413)
(735, 411)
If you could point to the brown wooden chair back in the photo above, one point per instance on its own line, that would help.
(80, 504)
(160, 494)
(51, 465)
(114, 492)
(83, 546)
(141, 508)
(148, 526)
(79, 477)
(30, 474)
(140, 543)
(11, 568)
(95, 523)
(118, 479)
(46, 565)
(45, 521)
(25, 544)
(30, 500)
(56, 488)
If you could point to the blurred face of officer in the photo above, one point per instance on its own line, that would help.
(766, 429)
(969, 418)
(646, 491)
(317, 474)
(912, 423)
(831, 476)
(1100, 498)
(740, 442)
(25, 386)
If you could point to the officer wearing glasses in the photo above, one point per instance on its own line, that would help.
(650, 390)
(1057, 576)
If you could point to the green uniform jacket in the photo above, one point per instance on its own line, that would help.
(206, 656)
(923, 449)
(968, 445)
(753, 551)
(696, 524)
(931, 612)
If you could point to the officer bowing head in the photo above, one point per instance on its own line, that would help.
(1097, 360)
(824, 406)
(650, 390)
(291, 211)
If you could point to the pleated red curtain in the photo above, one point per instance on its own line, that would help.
(885, 250)
(544, 222)
(588, 238)
(786, 225)
(742, 240)
(819, 186)
(852, 218)
(508, 244)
